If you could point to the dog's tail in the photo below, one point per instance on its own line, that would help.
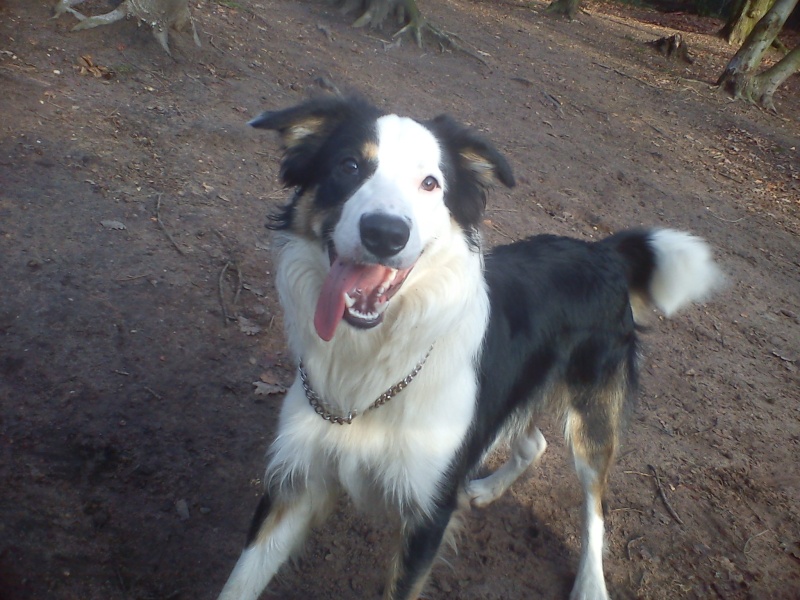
(667, 269)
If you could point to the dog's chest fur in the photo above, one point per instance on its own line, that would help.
(401, 450)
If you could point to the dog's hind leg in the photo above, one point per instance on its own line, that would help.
(592, 426)
(280, 525)
(526, 449)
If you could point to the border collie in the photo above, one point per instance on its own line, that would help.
(418, 354)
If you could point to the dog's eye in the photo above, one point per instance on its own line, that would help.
(349, 166)
(430, 183)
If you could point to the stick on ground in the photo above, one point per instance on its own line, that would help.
(663, 495)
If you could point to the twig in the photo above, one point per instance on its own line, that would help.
(663, 495)
(164, 229)
(637, 473)
(225, 316)
(711, 212)
(628, 509)
(623, 74)
(501, 232)
(628, 545)
(239, 286)
(752, 537)
(213, 45)
(157, 396)
(131, 277)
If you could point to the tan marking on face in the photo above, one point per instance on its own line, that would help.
(370, 151)
(308, 220)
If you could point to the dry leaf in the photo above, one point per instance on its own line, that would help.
(268, 389)
(113, 225)
(86, 66)
(248, 327)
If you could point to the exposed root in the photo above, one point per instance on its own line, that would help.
(375, 13)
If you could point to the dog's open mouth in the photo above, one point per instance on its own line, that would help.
(357, 293)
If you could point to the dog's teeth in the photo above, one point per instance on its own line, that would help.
(387, 282)
(348, 301)
(365, 316)
(381, 306)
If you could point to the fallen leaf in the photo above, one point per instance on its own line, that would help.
(87, 66)
(268, 389)
(113, 225)
(248, 327)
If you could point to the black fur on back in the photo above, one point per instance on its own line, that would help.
(560, 315)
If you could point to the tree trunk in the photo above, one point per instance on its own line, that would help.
(373, 13)
(737, 78)
(743, 18)
(566, 8)
(764, 84)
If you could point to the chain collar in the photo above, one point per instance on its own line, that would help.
(321, 407)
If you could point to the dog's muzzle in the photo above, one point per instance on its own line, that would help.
(359, 292)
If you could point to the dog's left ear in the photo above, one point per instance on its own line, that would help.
(472, 166)
(473, 153)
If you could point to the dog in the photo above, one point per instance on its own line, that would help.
(418, 353)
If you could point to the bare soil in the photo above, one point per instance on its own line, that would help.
(131, 432)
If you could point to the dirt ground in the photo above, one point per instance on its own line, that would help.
(137, 309)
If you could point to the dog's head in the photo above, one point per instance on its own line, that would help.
(375, 190)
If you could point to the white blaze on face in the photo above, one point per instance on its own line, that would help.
(359, 284)
(407, 153)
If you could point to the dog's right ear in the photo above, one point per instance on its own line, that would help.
(304, 130)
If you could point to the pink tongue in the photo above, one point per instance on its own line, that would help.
(342, 278)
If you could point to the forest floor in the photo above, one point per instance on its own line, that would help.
(137, 308)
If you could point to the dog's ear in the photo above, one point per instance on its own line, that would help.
(472, 165)
(473, 153)
(304, 130)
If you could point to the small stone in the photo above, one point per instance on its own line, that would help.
(183, 509)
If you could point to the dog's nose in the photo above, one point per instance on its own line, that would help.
(384, 235)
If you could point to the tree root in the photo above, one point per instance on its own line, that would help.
(563, 8)
(419, 29)
(413, 25)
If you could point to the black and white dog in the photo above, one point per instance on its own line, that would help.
(418, 354)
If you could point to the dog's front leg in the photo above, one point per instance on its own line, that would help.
(280, 525)
(421, 539)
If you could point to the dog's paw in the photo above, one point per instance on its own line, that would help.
(589, 588)
(482, 492)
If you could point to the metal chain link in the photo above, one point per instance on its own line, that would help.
(320, 406)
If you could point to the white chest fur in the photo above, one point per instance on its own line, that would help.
(400, 450)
